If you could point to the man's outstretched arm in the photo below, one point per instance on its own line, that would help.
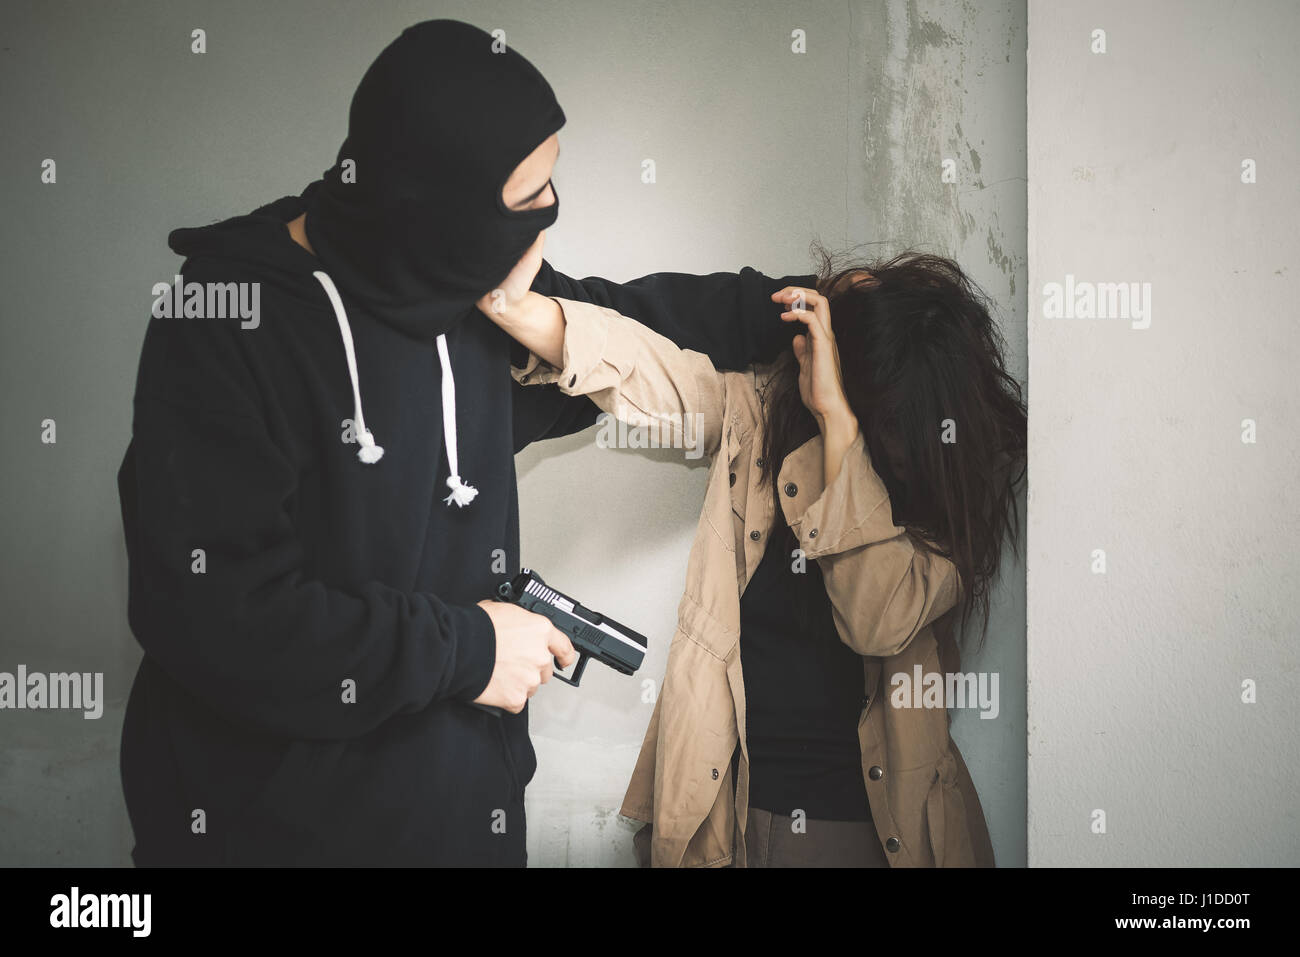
(728, 316)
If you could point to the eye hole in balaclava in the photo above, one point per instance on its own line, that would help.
(511, 210)
(436, 127)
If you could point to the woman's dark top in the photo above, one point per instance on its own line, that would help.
(803, 694)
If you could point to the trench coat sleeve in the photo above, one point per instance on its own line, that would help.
(635, 374)
(884, 588)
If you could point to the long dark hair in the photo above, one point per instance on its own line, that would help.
(924, 374)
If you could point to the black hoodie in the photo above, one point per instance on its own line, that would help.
(308, 620)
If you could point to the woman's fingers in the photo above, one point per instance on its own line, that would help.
(808, 301)
(809, 319)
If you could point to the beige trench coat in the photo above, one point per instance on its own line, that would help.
(888, 599)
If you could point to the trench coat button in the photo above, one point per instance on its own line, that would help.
(761, 462)
(715, 774)
(876, 772)
(813, 533)
(755, 535)
(572, 379)
(892, 845)
(733, 478)
(791, 489)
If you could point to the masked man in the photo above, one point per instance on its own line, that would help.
(318, 502)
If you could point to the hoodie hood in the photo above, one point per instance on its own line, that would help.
(259, 243)
(409, 222)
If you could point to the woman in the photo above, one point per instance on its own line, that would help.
(858, 496)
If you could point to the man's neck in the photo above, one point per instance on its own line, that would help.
(298, 230)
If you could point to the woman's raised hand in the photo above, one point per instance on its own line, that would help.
(821, 383)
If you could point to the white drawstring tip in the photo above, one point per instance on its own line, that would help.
(461, 493)
(370, 453)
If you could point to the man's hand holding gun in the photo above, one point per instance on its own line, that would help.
(528, 645)
(544, 628)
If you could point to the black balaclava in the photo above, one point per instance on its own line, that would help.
(436, 126)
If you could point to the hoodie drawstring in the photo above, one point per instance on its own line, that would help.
(461, 493)
(370, 452)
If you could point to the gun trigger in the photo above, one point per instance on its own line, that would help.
(577, 671)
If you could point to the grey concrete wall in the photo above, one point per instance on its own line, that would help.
(1163, 567)
(757, 149)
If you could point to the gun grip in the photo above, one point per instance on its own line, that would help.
(577, 670)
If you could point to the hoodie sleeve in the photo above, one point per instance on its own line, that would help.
(545, 412)
(218, 595)
(730, 317)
